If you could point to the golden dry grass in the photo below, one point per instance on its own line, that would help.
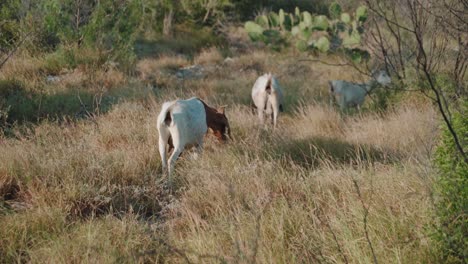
(91, 190)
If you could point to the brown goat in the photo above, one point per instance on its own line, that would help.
(217, 121)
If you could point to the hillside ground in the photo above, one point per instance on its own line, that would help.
(85, 184)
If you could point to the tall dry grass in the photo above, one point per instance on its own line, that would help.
(91, 190)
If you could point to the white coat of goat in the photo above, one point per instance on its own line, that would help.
(185, 122)
(348, 94)
(267, 96)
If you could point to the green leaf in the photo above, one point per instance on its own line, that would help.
(272, 34)
(254, 36)
(322, 44)
(307, 18)
(335, 42)
(294, 19)
(357, 55)
(340, 26)
(306, 34)
(361, 13)
(295, 30)
(320, 23)
(262, 21)
(353, 39)
(345, 17)
(274, 19)
(335, 10)
(287, 24)
(281, 17)
(252, 27)
(301, 45)
(302, 25)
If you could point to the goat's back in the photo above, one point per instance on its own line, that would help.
(184, 119)
(259, 93)
(348, 93)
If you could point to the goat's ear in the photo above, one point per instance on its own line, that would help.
(222, 109)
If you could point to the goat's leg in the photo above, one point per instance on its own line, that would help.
(274, 117)
(177, 150)
(200, 146)
(171, 145)
(253, 107)
(260, 115)
(162, 150)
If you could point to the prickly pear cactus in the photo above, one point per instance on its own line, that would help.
(338, 32)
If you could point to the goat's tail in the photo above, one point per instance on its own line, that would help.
(165, 117)
(331, 86)
(168, 118)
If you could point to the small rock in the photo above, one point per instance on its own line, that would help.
(229, 60)
(190, 72)
(52, 78)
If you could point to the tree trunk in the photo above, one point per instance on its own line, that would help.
(167, 23)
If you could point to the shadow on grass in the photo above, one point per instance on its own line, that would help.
(187, 40)
(314, 151)
(20, 106)
(146, 202)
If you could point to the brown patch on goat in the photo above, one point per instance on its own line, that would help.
(217, 121)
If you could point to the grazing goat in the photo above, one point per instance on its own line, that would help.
(217, 122)
(348, 94)
(267, 97)
(189, 117)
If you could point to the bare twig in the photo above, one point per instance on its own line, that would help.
(366, 214)
(326, 63)
(345, 259)
(10, 54)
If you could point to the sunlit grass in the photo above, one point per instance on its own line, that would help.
(91, 189)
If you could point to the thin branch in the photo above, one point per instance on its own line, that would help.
(326, 63)
(14, 50)
(366, 214)
(345, 259)
(422, 60)
(383, 15)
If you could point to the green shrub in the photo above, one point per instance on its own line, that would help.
(9, 17)
(452, 188)
(70, 58)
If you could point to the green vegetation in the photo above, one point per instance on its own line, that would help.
(339, 32)
(452, 190)
(81, 85)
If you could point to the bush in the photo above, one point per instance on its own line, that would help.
(452, 188)
(9, 30)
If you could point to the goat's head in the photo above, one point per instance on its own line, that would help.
(218, 123)
(382, 77)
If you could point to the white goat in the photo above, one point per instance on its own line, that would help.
(267, 96)
(348, 94)
(183, 121)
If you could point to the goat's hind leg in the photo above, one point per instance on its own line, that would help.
(177, 151)
(163, 140)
